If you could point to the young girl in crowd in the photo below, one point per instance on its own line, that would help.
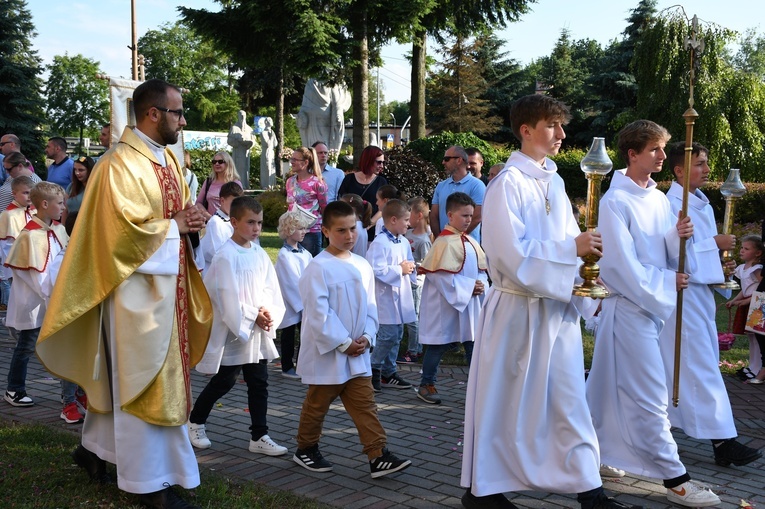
(363, 221)
(749, 273)
(384, 195)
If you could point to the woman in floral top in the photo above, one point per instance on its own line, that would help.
(306, 188)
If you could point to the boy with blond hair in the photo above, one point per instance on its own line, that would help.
(30, 259)
(12, 220)
(390, 256)
(339, 326)
(527, 425)
(626, 389)
(290, 264)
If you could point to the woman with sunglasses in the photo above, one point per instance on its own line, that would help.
(366, 180)
(223, 171)
(306, 188)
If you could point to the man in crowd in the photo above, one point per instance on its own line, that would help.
(105, 137)
(333, 177)
(475, 164)
(60, 171)
(456, 161)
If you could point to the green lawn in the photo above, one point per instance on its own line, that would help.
(38, 472)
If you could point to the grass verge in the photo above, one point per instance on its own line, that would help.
(38, 473)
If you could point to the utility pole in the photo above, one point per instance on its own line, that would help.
(134, 46)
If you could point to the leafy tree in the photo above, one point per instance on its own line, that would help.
(464, 17)
(77, 101)
(306, 37)
(751, 54)
(21, 103)
(179, 55)
(457, 93)
(730, 103)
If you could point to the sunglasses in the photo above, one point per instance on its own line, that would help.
(449, 158)
(218, 161)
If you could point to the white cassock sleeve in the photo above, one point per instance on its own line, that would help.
(649, 286)
(50, 281)
(388, 274)
(223, 286)
(323, 323)
(270, 298)
(164, 261)
(288, 274)
(456, 289)
(216, 234)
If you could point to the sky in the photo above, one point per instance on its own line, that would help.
(101, 29)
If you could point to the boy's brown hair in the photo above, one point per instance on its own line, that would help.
(676, 154)
(639, 134)
(395, 208)
(45, 191)
(230, 189)
(530, 109)
(20, 182)
(335, 210)
(242, 204)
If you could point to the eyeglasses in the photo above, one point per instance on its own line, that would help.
(449, 158)
(8, 168)
(3, 143)
(322, 152)
(218, 161)
(380, 162)
(295, 160)
(168, 110)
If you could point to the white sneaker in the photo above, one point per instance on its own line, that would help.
(198, 436)
(267, 446)
(692, 494)
(611, 472)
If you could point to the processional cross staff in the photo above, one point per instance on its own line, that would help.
(696, 47)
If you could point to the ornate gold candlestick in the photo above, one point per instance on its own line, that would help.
(732, 189)
(595, 165)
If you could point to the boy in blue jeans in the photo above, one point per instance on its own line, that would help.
(390, 256)
(36, 246)
(455, 280)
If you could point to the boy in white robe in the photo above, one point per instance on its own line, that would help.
(390, 255)
(219, 230)
(704, 410)
(527, 425)
(247, 303)
(339, 326)
(290, 264)
(627, 389)
(455, 280)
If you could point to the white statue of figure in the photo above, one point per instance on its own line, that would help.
(241, 139)
(268, 143)
(321, 116)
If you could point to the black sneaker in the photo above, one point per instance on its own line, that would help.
(603, 502)
(18, 398)
(496, 501)
(386, 464)
(395, 382)
(165, 499)
(94, 466)
(312, 460)
(376, 380)
(732, 451)
(745, 374)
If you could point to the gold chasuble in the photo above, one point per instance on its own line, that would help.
(161, 323)
(449, 256)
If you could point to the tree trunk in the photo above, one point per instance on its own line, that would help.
(279, 124)
(360, 87)
(417, 101)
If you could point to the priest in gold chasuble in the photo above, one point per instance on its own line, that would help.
(129, 315)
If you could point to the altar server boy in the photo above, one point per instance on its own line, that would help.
(627, 389)
(455, 280)
(390, 255)
(247, 306)
(527, 425)
(338, 330)
(704, 411)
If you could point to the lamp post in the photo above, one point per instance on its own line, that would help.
(732, 190)
(394, 124)
(595, 165)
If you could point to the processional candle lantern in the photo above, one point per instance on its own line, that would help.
(732, 190)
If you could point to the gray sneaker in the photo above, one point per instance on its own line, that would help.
(428, 394)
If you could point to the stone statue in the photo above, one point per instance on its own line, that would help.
(241, 139)
(321, 116)
(268, 143)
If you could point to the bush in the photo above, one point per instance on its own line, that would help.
(411, 174)
(274, 205)
(432, 148)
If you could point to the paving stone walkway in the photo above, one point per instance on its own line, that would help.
(430, 435)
